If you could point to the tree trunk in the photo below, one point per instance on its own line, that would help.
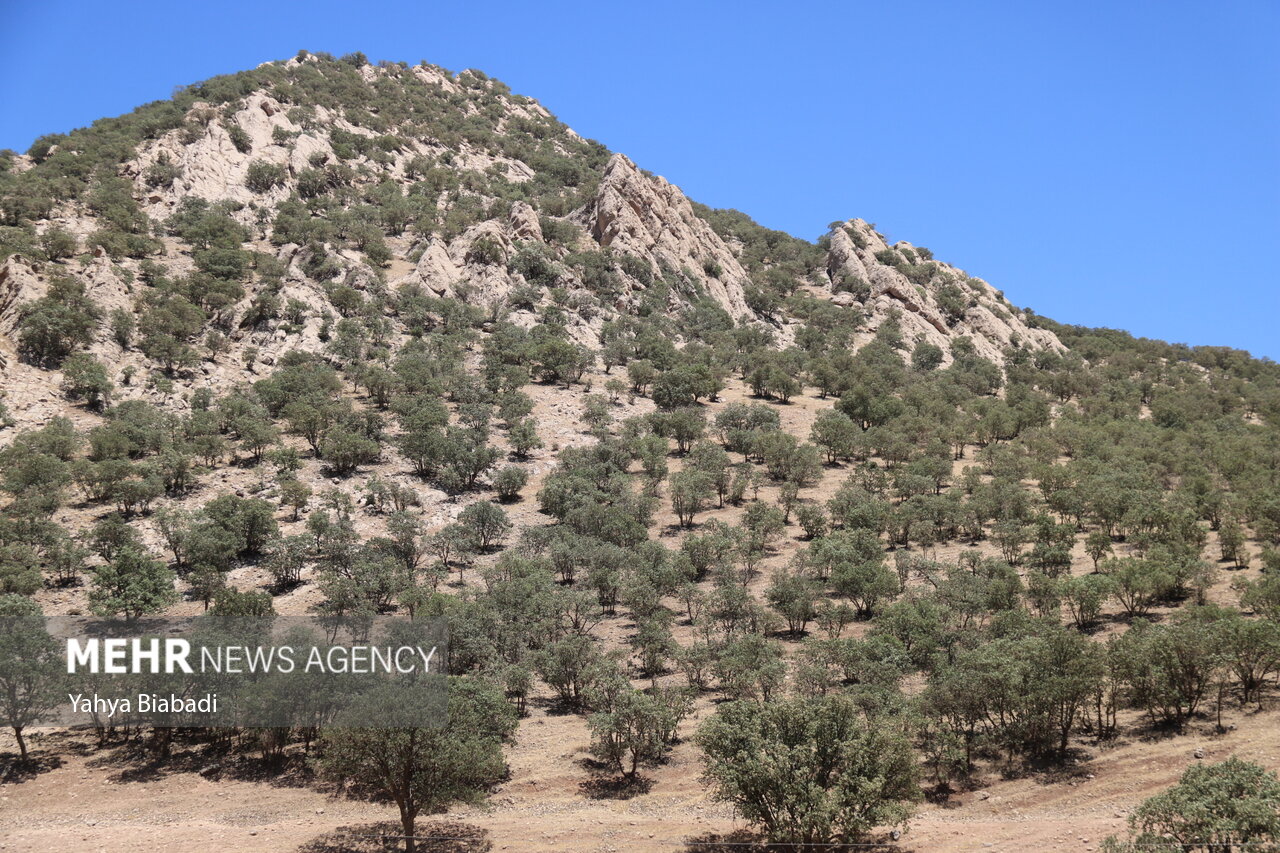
(407, 820)
(1222, 689)
(161, 741)
(22, 744)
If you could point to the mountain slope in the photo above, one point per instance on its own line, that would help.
(312, 175)
(334, 339)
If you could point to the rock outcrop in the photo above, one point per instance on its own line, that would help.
(631, 214)
(934, 301)
(19, 284)
(651, 219)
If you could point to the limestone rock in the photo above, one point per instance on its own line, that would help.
(862, 268)
(19, 283)
(524, 222)
(650, 219)
(435, 270)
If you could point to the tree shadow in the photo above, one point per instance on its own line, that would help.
(554, 706)
(1072, 765)
(432, 837)
(942, 795)
(15, 770)
(747, 841)
(138, 761)
(282, 587)
(289, 771)
(1126, 620)
(606, 784)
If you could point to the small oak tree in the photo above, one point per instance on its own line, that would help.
(809, 771)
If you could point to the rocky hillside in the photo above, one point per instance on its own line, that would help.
(935, 301)
(342, 340)
(283, 197)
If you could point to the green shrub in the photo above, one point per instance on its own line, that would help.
(509, 481)
(29, 684)
(132, 585)
(240, 138)
(1213, 807)
(558, 231)
(15, 240)
(40, 149)
(952, 302)
(85, 378)
(162, 173)
(55, 325)
(58, 243)
(263, 177)
(809, 771)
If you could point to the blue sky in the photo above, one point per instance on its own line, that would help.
(1110, 164)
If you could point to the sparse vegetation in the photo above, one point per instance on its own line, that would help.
(838, 552)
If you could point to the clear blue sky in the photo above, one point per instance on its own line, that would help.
(1104, 163)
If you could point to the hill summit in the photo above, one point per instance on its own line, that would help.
(317, 183)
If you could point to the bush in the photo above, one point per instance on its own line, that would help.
(226, 265)
(161, 173)
(122, 244)
(690, 492)
(558, 231)
(55, 325)
(263, 177)
(249, 521)
(131, 585)
(637, 728)
(17, 241)
(345, 451)
(809, 771)
(486, 251)
(486, 523)
(952, 302)
(312, 183)
(19, 570)
(58, 243)
(1213, 807)
(42, 147)
(509, 481)
(122, 326)
(85, 378)
(29, 680)
(240, 138)
(926, 357)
